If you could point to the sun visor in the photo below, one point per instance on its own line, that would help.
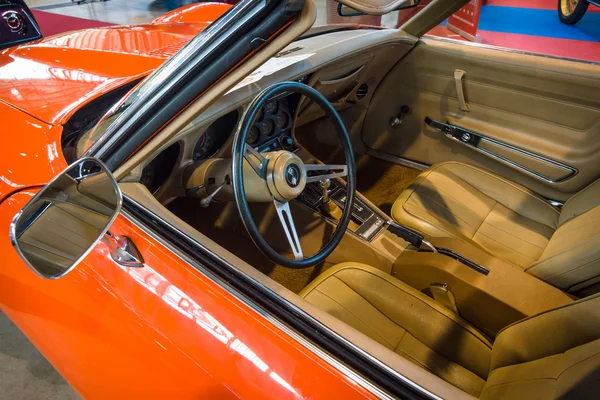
(374, 7)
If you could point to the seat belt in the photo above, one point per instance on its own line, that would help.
(442, 294)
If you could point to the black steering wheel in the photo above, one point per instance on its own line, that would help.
(282, 176)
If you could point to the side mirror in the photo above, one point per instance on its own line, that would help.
(65, 220)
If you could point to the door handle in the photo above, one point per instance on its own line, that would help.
(123, 251)
(458, 76)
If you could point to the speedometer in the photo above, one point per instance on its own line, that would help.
(203, 145)
(215, 136)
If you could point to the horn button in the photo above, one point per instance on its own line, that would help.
(286, 176)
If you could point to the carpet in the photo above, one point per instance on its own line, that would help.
(53, 24)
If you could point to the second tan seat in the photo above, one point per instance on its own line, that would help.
(552, 355)
(509, 221)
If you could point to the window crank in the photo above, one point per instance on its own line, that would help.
(396, 122)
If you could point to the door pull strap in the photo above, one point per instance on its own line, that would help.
(458, 76)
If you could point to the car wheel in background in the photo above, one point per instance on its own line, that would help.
(571, 11)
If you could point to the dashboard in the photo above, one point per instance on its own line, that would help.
(334, 70)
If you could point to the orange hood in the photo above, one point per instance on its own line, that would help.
(51, 78)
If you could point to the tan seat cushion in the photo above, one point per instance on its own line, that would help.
(459, 200)
(406, 321)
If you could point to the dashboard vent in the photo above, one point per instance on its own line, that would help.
(362, 91)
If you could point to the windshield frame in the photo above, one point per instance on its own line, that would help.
(122, 118)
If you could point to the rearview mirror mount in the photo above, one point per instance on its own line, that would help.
(61, 224)
(347, 11)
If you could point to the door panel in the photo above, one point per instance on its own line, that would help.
(162, 331)
(548, 108)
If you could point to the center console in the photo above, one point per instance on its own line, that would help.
(367, 223)
(490, 299)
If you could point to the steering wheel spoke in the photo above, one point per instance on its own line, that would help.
(285, 217)
(338, 171)
(256, 161)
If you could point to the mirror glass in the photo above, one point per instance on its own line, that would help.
(64, 221)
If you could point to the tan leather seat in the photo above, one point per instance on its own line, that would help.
(507, 220)
(555, 354)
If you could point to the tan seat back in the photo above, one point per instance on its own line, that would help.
(549, 356)
(571, 261)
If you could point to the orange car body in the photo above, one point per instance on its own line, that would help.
(161, 331)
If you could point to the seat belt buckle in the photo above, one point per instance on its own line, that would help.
(442, 294)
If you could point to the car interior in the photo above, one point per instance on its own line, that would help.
(475, 224)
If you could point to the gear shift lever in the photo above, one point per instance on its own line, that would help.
(324, 185)
(328, 206)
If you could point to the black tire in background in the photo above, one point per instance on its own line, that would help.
(575, 16)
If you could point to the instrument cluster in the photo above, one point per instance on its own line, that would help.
(273, 120)
(270, 131)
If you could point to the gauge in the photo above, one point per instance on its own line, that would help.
(281, 120)
(271, 107)
(267, 127)
(215, 136)
(203, 145)
(260, 115)
(155, 174)
(253, 135)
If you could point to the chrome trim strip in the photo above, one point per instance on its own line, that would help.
(348, 372)
(555, 203)
(574, 171)
(173, 71)
(15, 220)
(506, 49)
(479, 138)
(397, 160)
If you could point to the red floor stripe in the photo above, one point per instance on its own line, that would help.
(539, 4)
(577, 49)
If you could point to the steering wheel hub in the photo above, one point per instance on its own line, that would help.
(292, 175)
(286, 176)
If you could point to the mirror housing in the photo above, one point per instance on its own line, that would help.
(63, 222)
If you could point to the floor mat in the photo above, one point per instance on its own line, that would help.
(207, 221)
(382, 182)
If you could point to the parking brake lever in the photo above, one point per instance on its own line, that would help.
(412, 237)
